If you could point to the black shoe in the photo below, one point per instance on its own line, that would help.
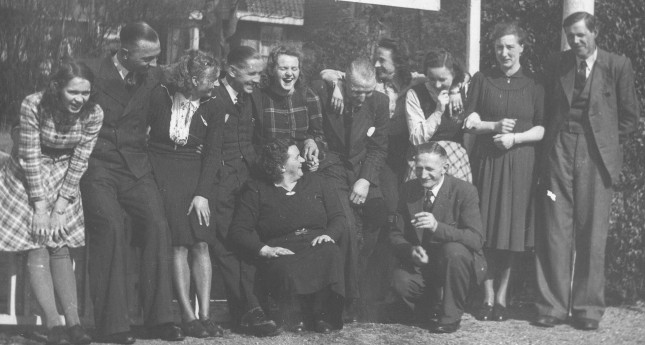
(585, 324)
(445, 327)
(322, 327)
(499, 313)
(547, 321)
(256, 323)
(124, 338)
(166, 331)
(57, 336)
(213, 329)
(484, 313)
(194, 329)
(78, 336)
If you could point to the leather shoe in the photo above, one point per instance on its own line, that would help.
(547, 321)
(256, 323)
(445, 327)
(124, 338)
(499, 313)
(57, 336)
(78, 336)
(585, 324)
(167, 331)
(322, 327)
(484, 313)
(213, 329)
(194, 329)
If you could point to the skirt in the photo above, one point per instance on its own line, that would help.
(16, 213)
(459, 164)
(177, 178)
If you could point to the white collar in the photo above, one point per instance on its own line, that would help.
(119, 67)
(231, 91)
(181, 99)
(590, 60)
(437, 187)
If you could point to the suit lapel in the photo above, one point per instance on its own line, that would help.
(360, 123)
(415, 205)
(597, 82)
(112, 83)
(568, 75)
(442, 203)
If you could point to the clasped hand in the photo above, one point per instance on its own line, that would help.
(46, 225)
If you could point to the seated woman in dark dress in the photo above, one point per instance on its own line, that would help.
(291, 222)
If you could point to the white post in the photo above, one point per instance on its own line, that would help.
(194, 38)
(572, 6)
(474, 34)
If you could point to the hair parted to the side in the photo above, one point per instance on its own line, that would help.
(50, 104)
(590, 20)
(361, 71)
(440, 57)
(194, 64)
(400, 57)
(508, 28)
(273, 157)
(238, 56)
(272, 62)
(132, 33)
(430, 147)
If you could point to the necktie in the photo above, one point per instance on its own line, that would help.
(130, 80)
(428, 201)
(239, 103)
(581, 75)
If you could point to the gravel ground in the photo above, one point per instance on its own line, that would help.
(620, 325)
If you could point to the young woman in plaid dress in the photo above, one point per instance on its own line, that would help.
(40, 204)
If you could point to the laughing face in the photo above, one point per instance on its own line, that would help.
(581, 39)
(246, 77)
(75, 94)
(286, 73)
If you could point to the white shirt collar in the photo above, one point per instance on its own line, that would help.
(437, 187)
(119, 67)
(231, 91)
(591, 60)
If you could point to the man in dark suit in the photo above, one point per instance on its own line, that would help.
(438, 239)
(357, 146)
(119, 179)
(230, 157)
(590, 104)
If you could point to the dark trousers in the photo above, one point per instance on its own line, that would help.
(107, 192)
(238, 273)
(450, 266)
(571, 249)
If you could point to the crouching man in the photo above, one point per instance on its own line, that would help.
(438, 240)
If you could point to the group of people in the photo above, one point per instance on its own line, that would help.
(291, 185)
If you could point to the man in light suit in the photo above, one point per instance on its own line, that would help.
(119, 178)
(591, 104)
(438, 239)
(357, 146)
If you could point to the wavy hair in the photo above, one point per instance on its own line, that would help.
(400, 58)
(272, 61)
(438, 58)
(194, 64)
(273, 157)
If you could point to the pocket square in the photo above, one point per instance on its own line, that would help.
(226, 117)
(370, 131)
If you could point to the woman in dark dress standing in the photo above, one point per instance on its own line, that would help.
(180, 114)
(505, 110)
(291, 222)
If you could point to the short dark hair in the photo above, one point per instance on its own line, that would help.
(508, 28)
(590, 20)
(134, 32)
(273, 157)
(193, 64)
(272, 61)
(50, 104)
(400, 57)
(430, 147)
(238, 56)
(438, 58)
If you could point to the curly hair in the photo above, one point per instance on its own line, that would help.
(194, 64)
(400, 58)
(438, 58)
(50, 104)
(273, 157)
(268, 76)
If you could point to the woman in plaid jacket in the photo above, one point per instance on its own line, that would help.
(40, 204)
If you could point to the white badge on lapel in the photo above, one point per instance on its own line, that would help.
(370, 131)
(226, 117)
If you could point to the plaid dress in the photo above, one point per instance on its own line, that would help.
(47, 164)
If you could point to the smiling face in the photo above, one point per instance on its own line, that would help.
(384, 64)
(140, 56)
(508, 51)
(286, 73)
(580, 39)
(439, 78)
(245, 78)
(75, 94)
(430, 168)
(293, 165)
(203, 87)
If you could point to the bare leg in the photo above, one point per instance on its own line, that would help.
(202, 273)
(489, 291)
(504, 278)
(181, 279)
(65, 284)
(41, 283)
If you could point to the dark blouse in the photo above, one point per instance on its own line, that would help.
(265, 212)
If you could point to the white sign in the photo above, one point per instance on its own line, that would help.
(430, 5)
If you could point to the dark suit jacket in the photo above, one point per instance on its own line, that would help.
(367, 150)
(125, 126)
(613, 105)
(456, 209)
